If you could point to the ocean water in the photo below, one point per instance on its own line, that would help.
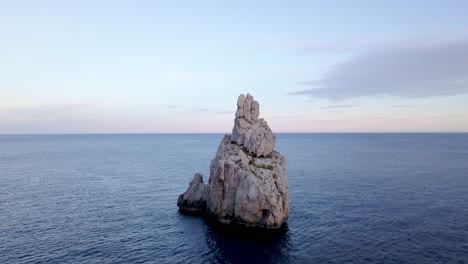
(355, 198)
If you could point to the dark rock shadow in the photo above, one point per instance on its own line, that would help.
(237, 244)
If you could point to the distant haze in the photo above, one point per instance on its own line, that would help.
(178, 67)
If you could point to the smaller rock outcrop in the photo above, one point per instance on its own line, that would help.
(194, 199)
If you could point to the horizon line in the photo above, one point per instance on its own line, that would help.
(220, 133)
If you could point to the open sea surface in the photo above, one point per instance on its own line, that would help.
(355, 198)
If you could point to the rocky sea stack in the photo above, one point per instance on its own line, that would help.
(248, 183)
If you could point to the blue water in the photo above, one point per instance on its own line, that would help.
(355, 198)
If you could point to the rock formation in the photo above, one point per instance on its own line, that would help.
(251, 132)
(194, 199)
(248, 182)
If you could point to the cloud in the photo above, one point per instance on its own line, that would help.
(449, 116)
(52, 118)
(45, 111)
(287, 117)
(402, 106)
(224, 112)
(209, 110)
(171, 106)
(406, 70)
(337, 106)
(203, 110)
(303, 48)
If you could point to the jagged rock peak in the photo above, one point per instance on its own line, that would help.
(249, 130)
(247, 108)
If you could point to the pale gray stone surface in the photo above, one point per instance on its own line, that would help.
(247, 108)
(251, 132)
(248, 182)
(194, 199)
(247, 190)
(261, 141)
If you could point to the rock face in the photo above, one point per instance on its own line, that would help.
(250, 131)
(194, 199)
(248, 182)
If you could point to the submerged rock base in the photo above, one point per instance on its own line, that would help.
(248, 182)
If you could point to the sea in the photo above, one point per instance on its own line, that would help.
(354, 198)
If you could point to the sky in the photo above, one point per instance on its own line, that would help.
(178, 66)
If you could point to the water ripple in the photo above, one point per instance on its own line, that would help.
(355, 198)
